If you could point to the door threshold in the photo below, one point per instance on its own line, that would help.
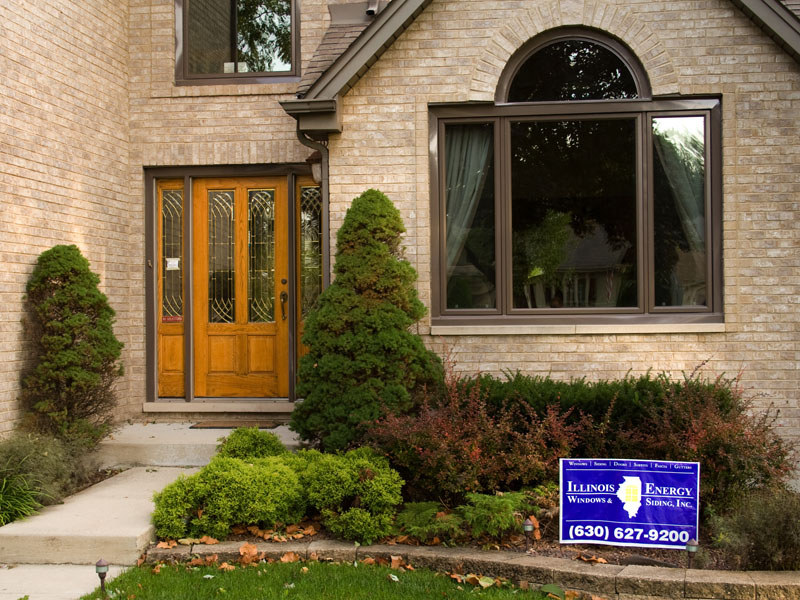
(219, 405)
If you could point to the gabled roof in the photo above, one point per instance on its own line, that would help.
(348, 50)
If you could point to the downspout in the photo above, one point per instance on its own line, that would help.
(326, 251)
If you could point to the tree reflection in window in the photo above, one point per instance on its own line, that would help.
(241, 36)
(572, 70)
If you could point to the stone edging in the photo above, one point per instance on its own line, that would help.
(611, 582)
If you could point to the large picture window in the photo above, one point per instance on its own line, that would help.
(236, 40)
(577, 197)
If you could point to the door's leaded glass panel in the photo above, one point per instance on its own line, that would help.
(171, 251)
(221, 276)
(261, 256)
(310, 248)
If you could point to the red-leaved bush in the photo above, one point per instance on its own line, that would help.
(713, 423)
(454, 445)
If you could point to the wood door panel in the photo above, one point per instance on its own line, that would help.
(240, 357)
(260, 354)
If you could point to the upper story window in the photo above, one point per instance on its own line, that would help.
(577, 197)
(236, 41)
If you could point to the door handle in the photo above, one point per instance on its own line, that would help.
(284, 298)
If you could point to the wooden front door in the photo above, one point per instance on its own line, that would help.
(241, 294)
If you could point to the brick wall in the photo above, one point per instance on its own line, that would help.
(64, 160)
(456, 50)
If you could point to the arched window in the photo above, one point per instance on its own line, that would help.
(577, 197)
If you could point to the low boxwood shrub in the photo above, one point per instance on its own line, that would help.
(250, 442)
(356, 493)
(762, 532)
(226, 492)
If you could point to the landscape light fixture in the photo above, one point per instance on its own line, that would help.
(691, 548)
(101, 568)
(527, 527)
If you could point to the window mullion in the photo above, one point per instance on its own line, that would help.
(646, 224)
(503, 215)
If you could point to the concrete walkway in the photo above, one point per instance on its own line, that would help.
(51, 555)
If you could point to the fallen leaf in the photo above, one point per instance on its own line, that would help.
(140, 562)
(309, 530)
(368, 561)
(435, 541)
(199, 513)
(486, 582)
(248, 553)
(238, 530)
(208, 577)
(457, 577)
(208, 540)
(254, 530)
(397, 562)
(212, 560)
(188, 541)
(572, 595)
(313, 557)
(226, 567)
(157, 569)
(196, 562)
(297, 536)
(292, 529)
(393, 577)
(167, 544)
(304, 570)
(472, 579)
(382, 561)
(290, 557)
(402, 539)
(591, 559)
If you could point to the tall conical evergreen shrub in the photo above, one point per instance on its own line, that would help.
(362, 359)
(69, 391)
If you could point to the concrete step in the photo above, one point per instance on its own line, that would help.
(110, 520)
(169, 445)
(50, 582)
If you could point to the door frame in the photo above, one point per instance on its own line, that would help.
(293, 173)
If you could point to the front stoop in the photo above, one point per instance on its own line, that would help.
(110, 520)
(169, 445)
(609, 582)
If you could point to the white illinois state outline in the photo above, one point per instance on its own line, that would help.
(630, 493)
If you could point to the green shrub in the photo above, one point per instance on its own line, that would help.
(229, 491)
(250, 442)
(17, 497)
(69, 391)
(494, 515)
(762, 532)
(427, 521)
(362, 358)
(358, 524)
(42, 459)
(347, 489)
(175, 506)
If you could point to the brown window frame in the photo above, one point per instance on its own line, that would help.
(183, 77)
(641, 109)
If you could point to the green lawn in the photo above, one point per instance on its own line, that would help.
(317, 581)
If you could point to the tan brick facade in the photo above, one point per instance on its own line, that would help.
(88, 101)
(455, 51)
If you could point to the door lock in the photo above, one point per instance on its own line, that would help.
(284, 298)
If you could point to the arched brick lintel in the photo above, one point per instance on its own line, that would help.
(617, 21)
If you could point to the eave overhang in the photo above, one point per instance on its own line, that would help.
(777, 21)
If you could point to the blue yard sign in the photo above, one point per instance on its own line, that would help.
(648, 503)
